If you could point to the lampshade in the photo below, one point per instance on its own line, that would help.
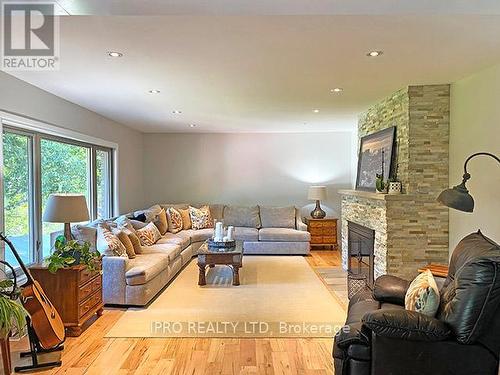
(458, 198)
(317, 193)
(66, 208)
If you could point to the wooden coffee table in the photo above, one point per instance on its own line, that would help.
(210, 257)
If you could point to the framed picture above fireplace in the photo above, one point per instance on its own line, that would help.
(375, 155)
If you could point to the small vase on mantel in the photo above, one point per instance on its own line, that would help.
(394, 187)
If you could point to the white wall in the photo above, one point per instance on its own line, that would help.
(21, 98)
(263, 168)
(475, 126)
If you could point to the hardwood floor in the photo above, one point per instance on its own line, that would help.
(91, 353)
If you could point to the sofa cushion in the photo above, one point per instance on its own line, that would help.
(246, 234)
(423, 294)
(186, 219)
(242, 216)
(171, 250)
(161, 222)
(199, 235)
(175, 239)
(283, 234)
(145, 267)
(277, 217)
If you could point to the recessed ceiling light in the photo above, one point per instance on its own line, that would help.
(337, 89)
(154, 91)
(374, 53)
(176, 112)
(115, 54)
(192, 125)
(316, 110)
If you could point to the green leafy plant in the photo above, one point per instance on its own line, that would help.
(379, 182)
(72, 253)
(12, 313)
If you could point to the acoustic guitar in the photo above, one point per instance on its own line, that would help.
(47, 323)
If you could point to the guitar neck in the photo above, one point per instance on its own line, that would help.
(19, 260)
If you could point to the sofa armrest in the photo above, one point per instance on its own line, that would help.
(299, 224)
(391, 289)
(406, 325)
(350, 334)
(113, 279)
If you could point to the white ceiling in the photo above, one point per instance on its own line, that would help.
(278, 7)
(258, 73)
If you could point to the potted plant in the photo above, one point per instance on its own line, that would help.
(72, 253)
(394, 185)
(12, 313)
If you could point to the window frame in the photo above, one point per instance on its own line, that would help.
(37, 131)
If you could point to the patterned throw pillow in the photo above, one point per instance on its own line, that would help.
(174, 219)
(423, 295)
(125, 240)
(186, 219)
(148, 235)
(108, 243)
(161, 222)
(201, 218)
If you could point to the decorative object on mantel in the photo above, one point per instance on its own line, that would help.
(380, 185)
(66, 208)
(370, 150)
(458, 197)
(395, 185)
(317, 193)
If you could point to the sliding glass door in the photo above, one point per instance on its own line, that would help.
(37, 165)
(17, 195)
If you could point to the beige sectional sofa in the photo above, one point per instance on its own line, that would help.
(264, 230)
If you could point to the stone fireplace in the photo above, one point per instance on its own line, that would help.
(411, 229)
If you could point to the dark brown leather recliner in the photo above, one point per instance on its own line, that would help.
(382, 338)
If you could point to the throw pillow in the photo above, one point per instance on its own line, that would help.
(174, 219)
(186, 219)
(161, 222)
(125, 240)
(423, 294)
(125, 222)
(201, 218)
(150, 213)
(108, 243)
(148, 235)
(86, 234)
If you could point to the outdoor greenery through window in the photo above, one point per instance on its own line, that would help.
(35, 166)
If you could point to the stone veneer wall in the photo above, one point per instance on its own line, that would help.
(411, 229)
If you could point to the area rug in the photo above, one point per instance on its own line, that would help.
(279, 296)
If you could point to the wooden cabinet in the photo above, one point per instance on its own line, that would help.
(75, 292)
(323, 232)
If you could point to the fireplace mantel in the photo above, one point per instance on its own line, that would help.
(377, 196)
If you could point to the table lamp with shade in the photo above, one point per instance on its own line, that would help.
(67, 209)
(317, 193)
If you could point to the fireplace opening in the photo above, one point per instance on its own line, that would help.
(360, 263)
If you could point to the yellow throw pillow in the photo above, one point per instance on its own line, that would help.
(423, 294)
(125, 240)
(174, 220)
(161, 221)
(201, 218)
(148, 235)
(186, 219)
(136, 242)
